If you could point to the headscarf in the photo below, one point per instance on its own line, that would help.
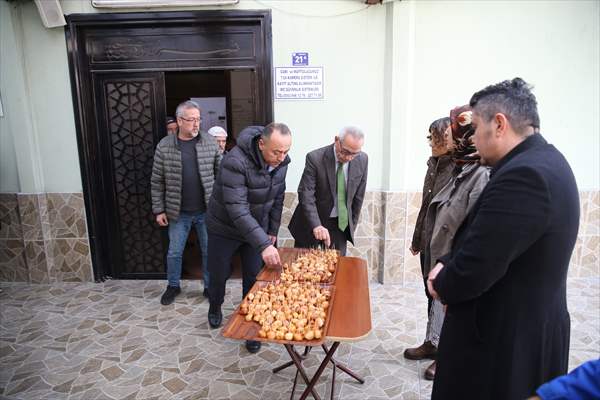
(462, 130)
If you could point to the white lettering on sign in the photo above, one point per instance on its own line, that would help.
(299, 83)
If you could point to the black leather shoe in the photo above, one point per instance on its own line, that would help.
(215, 316)
(252, 346)
(169, 295)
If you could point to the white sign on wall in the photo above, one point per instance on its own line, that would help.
(299, 83)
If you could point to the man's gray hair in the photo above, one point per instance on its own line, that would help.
(186, 105)
(352, 131)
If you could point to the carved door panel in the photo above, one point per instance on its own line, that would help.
(130, 115)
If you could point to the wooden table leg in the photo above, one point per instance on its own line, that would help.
(332, 380)
(289, 363)
(297, 360)
(343, 368)
(315, 378)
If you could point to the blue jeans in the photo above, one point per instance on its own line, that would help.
(178, 234)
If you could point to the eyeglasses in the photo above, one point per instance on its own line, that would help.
(347, 153)
(191, 119)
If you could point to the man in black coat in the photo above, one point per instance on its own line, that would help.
(334, 172)
(244, 212)
(507, 327)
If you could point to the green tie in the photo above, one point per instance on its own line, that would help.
(341, 199)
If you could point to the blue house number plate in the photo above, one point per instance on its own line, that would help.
(299, 58)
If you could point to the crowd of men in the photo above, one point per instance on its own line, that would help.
(234, 199)
(495, 232)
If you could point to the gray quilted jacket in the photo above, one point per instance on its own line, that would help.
(167, 172)
(247, 202)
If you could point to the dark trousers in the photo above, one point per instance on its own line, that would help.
(423, 260)
(339, 239)
(220, 251)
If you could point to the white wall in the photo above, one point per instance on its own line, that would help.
(15, 125)
(9, 178)
(36, 95)
(461, 47)
(390, 69)
(51, 103)
(350, 48)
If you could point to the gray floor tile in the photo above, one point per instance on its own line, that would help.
(115, 341)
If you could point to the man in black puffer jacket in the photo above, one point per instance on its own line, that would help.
(244, 212)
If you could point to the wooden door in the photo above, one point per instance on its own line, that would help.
(130, 114)
(117, 63)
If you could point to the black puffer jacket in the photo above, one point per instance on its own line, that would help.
(247, 199)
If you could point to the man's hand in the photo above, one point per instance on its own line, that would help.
(321, 233)
(431, 277)
(273, 239)
(270, 256)
(413, 252)
(162, 220)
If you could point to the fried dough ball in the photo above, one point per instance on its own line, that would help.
(315, 266)
(288, 310)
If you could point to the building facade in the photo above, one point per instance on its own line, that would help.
(389, 68)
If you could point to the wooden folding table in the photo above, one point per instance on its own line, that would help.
(349, 320)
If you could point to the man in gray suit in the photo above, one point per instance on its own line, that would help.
(331, 192)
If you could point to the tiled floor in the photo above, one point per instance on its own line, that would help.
(114, 341)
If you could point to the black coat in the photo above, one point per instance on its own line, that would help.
(317, 191)
(507, 326)
(247, 199)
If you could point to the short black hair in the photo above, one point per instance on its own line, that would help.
(275, 126)
(437, 129)
(514, 99)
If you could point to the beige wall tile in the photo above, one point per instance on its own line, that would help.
(589, 222)
(67, 215)
(71, 260)
(365, 249)
(13, 267)
(393, 263)
(395, 215)
(589, 260)
(10, 224)
(37, 261)
(29, 214)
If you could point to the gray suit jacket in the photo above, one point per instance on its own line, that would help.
(317, 191)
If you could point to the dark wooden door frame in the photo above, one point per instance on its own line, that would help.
(82, 65)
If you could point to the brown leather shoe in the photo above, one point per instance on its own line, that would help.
(426, 350)
(430, 372)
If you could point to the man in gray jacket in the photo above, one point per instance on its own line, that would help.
(244, 212)
(331, 192)
(184, 170)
